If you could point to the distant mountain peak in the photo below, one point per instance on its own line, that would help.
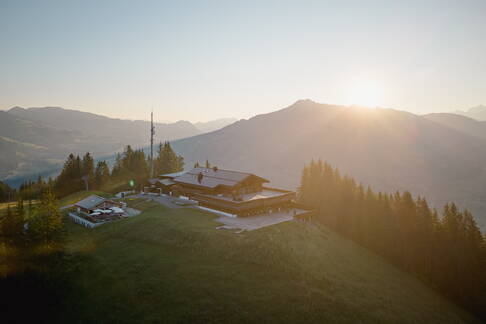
(16, 108)
(477, 112)
(302, 102)
(479, 108)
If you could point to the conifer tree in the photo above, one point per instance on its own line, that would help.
(47, 223)
(9, 229)
(6, 192)
(69, 180)
(102, 174)
(87, 168)
(167, 160)
(13, 225)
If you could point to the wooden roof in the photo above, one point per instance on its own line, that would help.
(211, 178)
(90, 202)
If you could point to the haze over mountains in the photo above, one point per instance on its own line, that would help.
(478, 112)
(460, 123)
(441, 157)
(213, 125)
(36, 140)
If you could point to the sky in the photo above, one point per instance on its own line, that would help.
(203, 60)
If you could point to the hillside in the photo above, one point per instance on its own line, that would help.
(213, 125)
(478, 112)
(385, 148)
(124, 131)
(172, 265)
(460, 123)
(28, 146)
(37, 140)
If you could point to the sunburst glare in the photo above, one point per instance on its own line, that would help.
(367, 93)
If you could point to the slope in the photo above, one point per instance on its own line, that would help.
(460, 123)
(124, 131)
(37, 140)
(172, 265)
(478, 112)
(213, 125)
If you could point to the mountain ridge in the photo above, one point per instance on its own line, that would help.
(477, 112)
(461, 123)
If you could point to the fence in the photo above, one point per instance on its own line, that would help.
(79, 220)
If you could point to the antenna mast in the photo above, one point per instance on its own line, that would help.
(152, 133)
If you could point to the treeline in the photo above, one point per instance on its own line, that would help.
(446, 250)
(33, 189)
(7, 193)
(130, 170)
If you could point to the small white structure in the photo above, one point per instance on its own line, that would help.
(117, 210)
(94, 211)
(123, 194)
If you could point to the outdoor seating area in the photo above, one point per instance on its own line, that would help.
(262, 219)
(95, 210)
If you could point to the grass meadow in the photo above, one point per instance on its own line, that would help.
(174, 266)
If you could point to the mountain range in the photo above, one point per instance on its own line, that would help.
(478, 112)
(440, 156)
(213, 125)
(37, 140)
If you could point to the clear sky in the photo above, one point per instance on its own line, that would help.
(201, 60)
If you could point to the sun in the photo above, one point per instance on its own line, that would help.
(366, 93)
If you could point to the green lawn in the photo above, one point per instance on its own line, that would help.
(172, 265)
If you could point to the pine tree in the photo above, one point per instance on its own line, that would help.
(47, 223)
(13, 225)
(116, 172)
(87, 168)
(127, 161)
(425, 237)
(102, 174)
(167, 160)
(69, 180)
(6, 192)
(8, 228)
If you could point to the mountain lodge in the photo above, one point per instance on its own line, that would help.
(234, 192)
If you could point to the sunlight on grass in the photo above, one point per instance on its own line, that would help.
(178, 267)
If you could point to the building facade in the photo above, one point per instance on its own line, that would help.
(238, 193)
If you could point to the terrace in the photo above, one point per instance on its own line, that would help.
(95, 210)
(265, 193)
(248, 204)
